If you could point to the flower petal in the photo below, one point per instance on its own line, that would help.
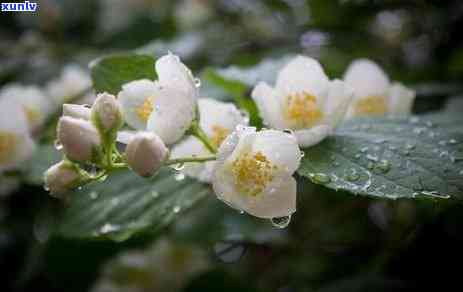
(269, 105)
(189, 147)
(277, 200)
(280, 148)
(132, 98)
(312, 136)
(173, 73)
(302, 74)
(337, 102)
(366, 78)
(172, 115)
(400, 99)
(213, 113)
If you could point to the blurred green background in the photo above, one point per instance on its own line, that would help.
(334, 242)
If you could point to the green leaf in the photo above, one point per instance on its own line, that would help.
(126, 204)
(45, 156)
(389, 158)
(110, 73)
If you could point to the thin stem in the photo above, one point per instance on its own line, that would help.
(195, 130)
(190, 159)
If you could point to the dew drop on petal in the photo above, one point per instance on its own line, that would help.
(197, 82)
(281, 222)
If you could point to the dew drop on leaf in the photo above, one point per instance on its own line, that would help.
(320, 178)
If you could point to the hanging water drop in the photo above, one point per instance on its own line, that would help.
(58, 145)
(281, 222)
(179, 167)
(176, 209)
(197, 82)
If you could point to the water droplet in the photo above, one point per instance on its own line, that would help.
(58, 145)
(179, 166)
(302, 153)
(380, 141)
(461, 172)
(352, 175)
(115, 201)
(442, 142)
(357, 156)
(281, 222)
(383, 165)
(452, 142)
(364, 149)
(154, 194)
(197, 82)
(410, 146)
(176, 209)
(288, 131)
(320, 178)
(179, 176)
(93, 195)
(372, 157)
(108, 227)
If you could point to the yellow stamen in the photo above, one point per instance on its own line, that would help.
(32, 115)
(302, 110)
(219, 134)
(144, 111)
(371, 106)
(8, 143)
(252, 173)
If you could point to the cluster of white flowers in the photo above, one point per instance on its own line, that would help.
(23, 111)
(250, 170)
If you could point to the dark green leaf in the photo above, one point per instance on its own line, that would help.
(110, 73)
(390, 158)
(126, 204)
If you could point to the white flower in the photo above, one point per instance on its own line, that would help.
(35, 104)
(217, 120)
(303, 100)
(16, 144)
(146, 153)
(73, 81)
(80, 139)
(374, 95)
(165, 107)
(61, 177)
(254, 171)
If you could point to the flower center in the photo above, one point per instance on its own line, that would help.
(31, 114)
(252, 173)
(219, 134)
(302, 110)
(144, 111)
(371, 106)
(7, 146)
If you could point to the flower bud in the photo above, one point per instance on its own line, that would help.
(76, 111)
(106, 114)
(61, 177)
(146, 153)
(79, 138)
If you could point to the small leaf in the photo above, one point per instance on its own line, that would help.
(110, 73)
(126, 204)
(389, 158)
